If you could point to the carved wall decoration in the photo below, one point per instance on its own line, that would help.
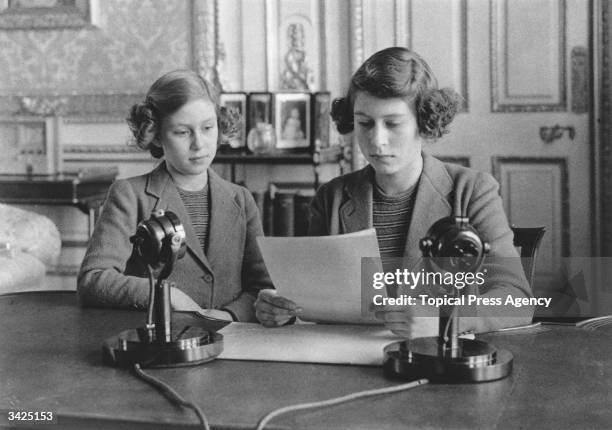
(293, 45)
(295, 75)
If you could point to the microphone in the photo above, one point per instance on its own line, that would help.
(158, 243)
(452, 245)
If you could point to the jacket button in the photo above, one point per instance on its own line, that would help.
(208, 278)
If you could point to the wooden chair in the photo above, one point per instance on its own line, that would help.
(528, 240)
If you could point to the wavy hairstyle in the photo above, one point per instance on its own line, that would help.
(166, 96)
(397, 72)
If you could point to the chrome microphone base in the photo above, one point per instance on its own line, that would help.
(473, 361)
(187, 346)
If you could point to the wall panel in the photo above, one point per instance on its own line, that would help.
(527, 47)
(535, 193)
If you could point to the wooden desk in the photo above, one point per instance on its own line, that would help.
(85, 192)
(50, 359)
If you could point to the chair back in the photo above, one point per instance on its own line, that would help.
(528, 240)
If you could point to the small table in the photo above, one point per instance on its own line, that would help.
(51, 360)
(85, 191)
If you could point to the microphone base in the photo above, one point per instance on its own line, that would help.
(473, 361)
(188, 346)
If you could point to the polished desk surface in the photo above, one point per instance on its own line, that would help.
(50, 359)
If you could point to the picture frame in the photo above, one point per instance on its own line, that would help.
(238, 102)
(47, 14)
(321, 106)
(259, 109)
(292, 121)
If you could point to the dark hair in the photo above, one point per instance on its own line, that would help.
(166, 96)
(399, 72)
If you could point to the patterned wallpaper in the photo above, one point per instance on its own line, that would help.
(135, 42)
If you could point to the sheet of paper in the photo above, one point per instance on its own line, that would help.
(307, 343)
(322, 274)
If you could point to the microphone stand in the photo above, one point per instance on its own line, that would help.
(452, 244)
(159, 243)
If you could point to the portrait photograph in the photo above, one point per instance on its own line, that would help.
(292, 121)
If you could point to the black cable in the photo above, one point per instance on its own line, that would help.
(167, 391)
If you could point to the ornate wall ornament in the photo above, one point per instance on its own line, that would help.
(296, 74)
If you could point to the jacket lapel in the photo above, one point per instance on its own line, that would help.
(355, 213)
(161, 187)
(224, 213)
(431, 203)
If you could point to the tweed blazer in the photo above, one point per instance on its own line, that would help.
(344, 205)
(228, 274)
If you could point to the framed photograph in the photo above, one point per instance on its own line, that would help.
(46, 14)
(292, 120)
(259, 109)
(236, 101)
(321, 120)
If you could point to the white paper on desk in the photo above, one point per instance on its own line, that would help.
(322, 274)
(307, 343)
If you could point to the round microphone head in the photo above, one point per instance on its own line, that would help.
(454, 245)
(156, 238)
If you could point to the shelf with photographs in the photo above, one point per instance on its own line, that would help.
(280, 128)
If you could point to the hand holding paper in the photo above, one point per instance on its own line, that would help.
(321, 275)
(273, 310)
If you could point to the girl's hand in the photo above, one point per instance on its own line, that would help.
(273, 310)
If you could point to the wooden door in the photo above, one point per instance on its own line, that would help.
(522, 68)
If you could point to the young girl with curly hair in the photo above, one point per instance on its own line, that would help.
(181, 122)
(394, 108)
